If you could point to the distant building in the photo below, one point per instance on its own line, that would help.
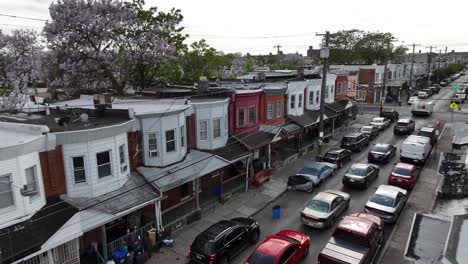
(311, 52)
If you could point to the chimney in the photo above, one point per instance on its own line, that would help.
(203, 85)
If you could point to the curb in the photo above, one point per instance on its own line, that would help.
(268, 203)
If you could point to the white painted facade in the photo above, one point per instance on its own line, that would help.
(211, 114)
(330, 89)
(159, 124)
(94, 186)
(313, 94)
(295, 93)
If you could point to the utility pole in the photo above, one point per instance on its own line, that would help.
(384, 83)
(412, 63)
(278, 48)
(429, 60)
(438, 66)
(324, 54)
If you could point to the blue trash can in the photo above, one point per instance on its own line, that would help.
(276, 212)
(119, 255)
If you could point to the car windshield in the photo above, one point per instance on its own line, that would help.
(349, 139)
(331, 155)
(203, 245)
(402, 171)
(349, 238)
(401, 123)
(382, 200)
(380, 148)
(358, 171)
(425, 134)
(318, 206)
(366, 129)
(311, 171)
(261, 258)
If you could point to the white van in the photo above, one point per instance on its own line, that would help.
(422, 109)
(415, 149)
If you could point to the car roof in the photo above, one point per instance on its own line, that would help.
(336, 150)
(315, 165)
(367, 127)
(416, 139)
(357, 223)
(404, 166)
(388, 190)
(218, 228)
(325, 197)
(405, 120)
(427, 129)
(360, 165)
(382, 145)
(378, 118)
(273, 245)
(353, 134)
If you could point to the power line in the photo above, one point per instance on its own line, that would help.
(22, 17)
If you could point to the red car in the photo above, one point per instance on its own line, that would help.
(358, 238)
(286, 247)
(404, 175)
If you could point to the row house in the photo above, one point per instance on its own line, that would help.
(345, 84)
(244, 109)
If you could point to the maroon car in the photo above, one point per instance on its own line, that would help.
(358, 238)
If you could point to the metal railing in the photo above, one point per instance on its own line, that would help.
(128, 238)
(234, 184)
(67, 253)
(178, 211)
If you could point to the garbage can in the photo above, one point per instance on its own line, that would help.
(276, 212)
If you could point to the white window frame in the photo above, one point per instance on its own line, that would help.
(299, 100)
(292, 103)
(153, 152)
(311, 97)
(254, 121)
(217, 131)
(5, 178)
(75, 169)
(279, 108)
(36, 185)
(182, 136)
(270, 110)
(173, 140)
(203, 132)
(317, 97)
(123, 158)
(241, 122)
(104, 164)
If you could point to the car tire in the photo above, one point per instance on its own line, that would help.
(309, 190)
(306, 252)
(255, 236)
(347, 205)
(367, 184)
(340, 164)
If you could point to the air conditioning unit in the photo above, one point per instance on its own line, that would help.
(25, 191)
(123, 168)
(153, 153)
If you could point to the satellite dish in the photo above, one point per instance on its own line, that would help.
(84, 117)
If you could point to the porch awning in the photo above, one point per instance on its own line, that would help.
(233, 151)
(260, 138)
(340, 105)
(195, 165)
(309, 118)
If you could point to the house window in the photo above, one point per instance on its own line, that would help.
(299, 102)
(241, 117)
(332, 87)
(6, 192)
(350, 86)
(122, 158)
(185, 190)
(170, 140)
(293, 101)
(317, 98)
(340, 85)
(153, 144)
(311, 97)
(279, 109)
(252, 115)
(182, 136)
(203, 130)
(270, 110)
(79, 169)
(31, 180)
(104, 164)
(216, 128)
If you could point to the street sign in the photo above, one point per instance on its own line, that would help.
(455, 86)
(453, 105)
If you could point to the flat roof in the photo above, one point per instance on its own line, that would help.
(457, 241)
(13, 134)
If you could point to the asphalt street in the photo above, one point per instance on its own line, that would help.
(293, 202)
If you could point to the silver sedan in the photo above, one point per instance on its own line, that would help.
(325, 208)
(387, 203)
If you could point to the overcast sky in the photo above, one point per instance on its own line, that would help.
(255, 26)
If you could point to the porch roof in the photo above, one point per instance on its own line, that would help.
(340, 105)
(257, 140)
(309, 118)
(22, 239)
(233, 151)
(195, 165)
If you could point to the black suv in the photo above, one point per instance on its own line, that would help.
(337, 156)
(391, 114)
(355, 141)
(222, 241)
(404, 126)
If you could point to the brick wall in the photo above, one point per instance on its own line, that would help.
(135, 149)
(174, 196)
(53, 172)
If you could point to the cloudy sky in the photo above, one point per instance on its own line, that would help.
(255, 26)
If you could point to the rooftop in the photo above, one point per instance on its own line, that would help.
(15, 134)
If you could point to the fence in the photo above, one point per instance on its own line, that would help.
(234, 184)
(178, 211)
(128, 238)
(67, 253)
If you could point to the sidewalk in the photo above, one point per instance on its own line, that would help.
(243, 204)
(421, 200)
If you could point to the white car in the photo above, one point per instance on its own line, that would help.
(380, 123)
(423, 95)
(387, 203)
(413, 100)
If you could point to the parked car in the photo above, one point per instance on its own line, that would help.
(413, 99)
(404, 126)
(223, 240)
(318, 171)
(358, 238)
(287, 246)
(336, 156)
(325, 208)
(422, 109)
(391, 114)
(423, 95)
(361, 175)
(381, 152)
(458, 98)
(387, 203)
(437, 87)
(355, 141)
(370, 131)
(444, 83)
(434, 90)
(380, 123)
(300, 183)
(404, 175)
(429, 132)
(415, 149)
(428, 91)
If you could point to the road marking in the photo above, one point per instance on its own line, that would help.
(441, 133)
